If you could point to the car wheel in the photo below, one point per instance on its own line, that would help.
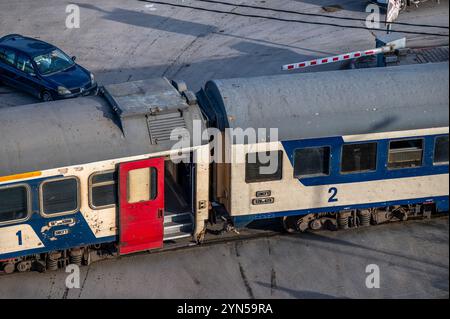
(46, 96)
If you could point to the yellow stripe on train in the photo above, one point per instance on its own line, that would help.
(19, 176)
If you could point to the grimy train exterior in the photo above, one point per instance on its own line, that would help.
(354, 148)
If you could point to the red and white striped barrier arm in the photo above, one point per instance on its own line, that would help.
(337, 58)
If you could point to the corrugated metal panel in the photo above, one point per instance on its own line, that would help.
(161, 127)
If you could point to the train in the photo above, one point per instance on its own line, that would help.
(149, 164)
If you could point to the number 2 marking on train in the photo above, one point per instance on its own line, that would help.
(19, 237)
(333, 191)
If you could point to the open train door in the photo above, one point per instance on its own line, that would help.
(141, 205)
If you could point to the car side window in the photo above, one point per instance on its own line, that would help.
(2, 55)
(7, 56)
(24, 64)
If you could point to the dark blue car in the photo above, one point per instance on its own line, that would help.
(42, 69)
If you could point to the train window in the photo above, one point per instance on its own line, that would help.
(103, 190)
(60, 196)
(142, 185)
(405, 154)
(14, 203)
(441, 150)
(312, 161)
(263, 167)
(358, 158)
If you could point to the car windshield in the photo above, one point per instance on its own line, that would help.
(52, 62)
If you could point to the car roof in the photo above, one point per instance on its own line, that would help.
(26, 45)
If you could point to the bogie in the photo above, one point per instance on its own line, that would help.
(357, 218)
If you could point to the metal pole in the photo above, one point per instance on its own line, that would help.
(338, 58)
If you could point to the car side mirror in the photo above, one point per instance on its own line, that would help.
(74, 58)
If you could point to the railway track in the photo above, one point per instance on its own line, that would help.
(268, 229)
(251, 14)
(253, 234)
(308, 14)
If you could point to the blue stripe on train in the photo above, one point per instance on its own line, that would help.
(80, 234)
(442, 204)
(381, 173)
(65, 245)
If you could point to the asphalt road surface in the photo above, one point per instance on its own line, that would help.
(412, 258)
(131, 40)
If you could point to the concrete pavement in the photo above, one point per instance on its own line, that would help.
(413, 259)
(132, 40)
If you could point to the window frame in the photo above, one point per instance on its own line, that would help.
(29, 204)
(41, 197)
(315, 175)
(16, 53)
(65, 55)
(280, 153)
(422, 164)
(90, 184)
(367, 171)
(434, 151)
(23, 55)
(154, 191)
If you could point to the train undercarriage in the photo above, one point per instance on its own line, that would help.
(343, 220)
(357, 218)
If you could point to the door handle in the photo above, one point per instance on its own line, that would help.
(160, 212)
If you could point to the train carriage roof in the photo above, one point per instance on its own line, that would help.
(135, 118)
(323, 104)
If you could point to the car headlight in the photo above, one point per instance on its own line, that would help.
(63, 91)
(92, 78)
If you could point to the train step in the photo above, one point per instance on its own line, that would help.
(177, 225)
(177, 236)
(170, 217)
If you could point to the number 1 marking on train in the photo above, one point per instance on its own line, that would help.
(19, 237)
(333, 191)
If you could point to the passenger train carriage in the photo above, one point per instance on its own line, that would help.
(347, 141)
(353, 148)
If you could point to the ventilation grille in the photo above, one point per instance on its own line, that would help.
(161, 126)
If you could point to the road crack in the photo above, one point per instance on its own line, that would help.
(84, 281)
(243, 274)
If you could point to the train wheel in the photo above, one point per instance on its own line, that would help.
(9, 268)
(290, 224)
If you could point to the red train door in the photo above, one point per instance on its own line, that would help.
(141, 205)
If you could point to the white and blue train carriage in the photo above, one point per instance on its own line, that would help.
(355, 147)
(83, 172)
